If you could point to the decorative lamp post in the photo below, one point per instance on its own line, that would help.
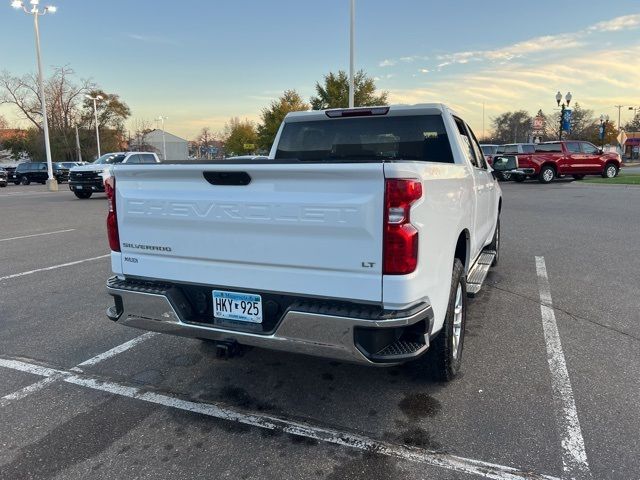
(563, 108)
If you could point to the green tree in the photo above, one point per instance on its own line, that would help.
(112, 112)
(633, 125)
(512, 127)
(272, 117)
(240, 137)
(334, 91)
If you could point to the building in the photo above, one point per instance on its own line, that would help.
(177, 148)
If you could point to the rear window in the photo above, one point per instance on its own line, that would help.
(419, 137)
(549, 147)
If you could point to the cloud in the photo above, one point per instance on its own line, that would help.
(542, 44)
(151, 39)
(424, 70)
(626, 22)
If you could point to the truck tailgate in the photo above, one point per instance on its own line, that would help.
(312, 229)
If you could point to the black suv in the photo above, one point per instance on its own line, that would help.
(28, 172)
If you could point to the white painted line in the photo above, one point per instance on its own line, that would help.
(22, 274)
(329, 435)
(28, 390)
(114, 351)
(574, 455)
(36, 235)
(29, 368)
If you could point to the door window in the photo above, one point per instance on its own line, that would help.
(133, 159)
(589, 149)
(476, 148)
(466, 143)
(147, 158)
(573, 147)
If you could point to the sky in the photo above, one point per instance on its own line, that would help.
(201, 62)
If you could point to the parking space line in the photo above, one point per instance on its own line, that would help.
(114, 351)
(28, 390)
(329, 435)
(22, 274)
(36, 235)
(574, 455)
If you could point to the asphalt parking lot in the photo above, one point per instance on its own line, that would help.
(81, 397)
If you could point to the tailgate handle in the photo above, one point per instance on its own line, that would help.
(227, 178)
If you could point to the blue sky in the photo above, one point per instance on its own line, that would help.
(201, 62)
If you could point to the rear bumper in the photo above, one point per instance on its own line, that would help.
(523, 171)
(350, 335)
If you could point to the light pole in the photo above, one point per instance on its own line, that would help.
(568, 98)
(52, 184)
(162, 118)
(352, 87)
(604, 120)
(95, 115)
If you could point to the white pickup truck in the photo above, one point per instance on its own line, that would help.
(358, 239)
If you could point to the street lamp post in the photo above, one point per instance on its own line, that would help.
(95, 115)
(162, 118)
(604, 120)
(52, 184)
(352, 87)
(562, 109)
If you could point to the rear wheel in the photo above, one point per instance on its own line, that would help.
(610, 171)
(547, 174)
(82, 195)
(24, 180)
(578, 177)
(446, 350)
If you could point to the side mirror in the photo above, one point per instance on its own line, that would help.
(600, 151)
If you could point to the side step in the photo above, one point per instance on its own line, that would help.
(479, 271)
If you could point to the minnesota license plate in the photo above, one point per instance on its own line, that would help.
(243, 307)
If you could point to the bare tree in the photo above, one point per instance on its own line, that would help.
(141, 126)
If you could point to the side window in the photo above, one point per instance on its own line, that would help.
(528, 149)
(133, 159)
(588, 148)
(467, 147)
(148, 158)
(573, 147)
(476, 148)
(510, 149)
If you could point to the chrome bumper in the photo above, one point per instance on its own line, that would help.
(322, 335)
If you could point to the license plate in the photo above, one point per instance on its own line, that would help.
(78, 187)
(243, 307)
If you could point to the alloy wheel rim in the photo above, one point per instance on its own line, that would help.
(548, 175)
(611, 172)
(457, 322)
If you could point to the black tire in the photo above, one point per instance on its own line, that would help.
(547, 174)
(2, 185)
(82, 195)
(504, 176)
(17, 183)
(610, 171)
(446, 358)
(578, 177)
(495, 244)
(519, 178)
(24, 180)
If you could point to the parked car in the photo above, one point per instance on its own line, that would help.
(3, 177)
(86, 180)
(358, 241)
(576, 158)
(28, 172)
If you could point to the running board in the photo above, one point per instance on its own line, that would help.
(479, 271)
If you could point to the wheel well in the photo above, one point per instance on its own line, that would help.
(548, 164)
(462, 248)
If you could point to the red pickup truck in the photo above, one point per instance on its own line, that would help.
(553, 159)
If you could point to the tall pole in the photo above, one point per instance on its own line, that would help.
(351, 55)
(561, 119)
(164, 143)
(483, 136)
(51, 182)
(95, 115)
(78, 145)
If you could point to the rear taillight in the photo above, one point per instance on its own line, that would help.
(112, 219)
(400, 249)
